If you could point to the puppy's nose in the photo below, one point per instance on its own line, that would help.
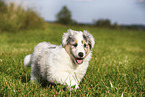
(81, 54)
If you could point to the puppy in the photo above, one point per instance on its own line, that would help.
(65, 64)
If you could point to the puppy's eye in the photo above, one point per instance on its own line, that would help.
(75, 45)
(85, 45)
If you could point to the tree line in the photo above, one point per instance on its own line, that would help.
(65, 17)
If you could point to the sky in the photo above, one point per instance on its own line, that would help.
(125, 12)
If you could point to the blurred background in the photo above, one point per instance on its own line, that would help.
(25, 14)
(118, 61)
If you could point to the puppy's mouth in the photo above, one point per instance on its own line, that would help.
(79, 60)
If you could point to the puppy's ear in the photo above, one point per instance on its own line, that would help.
(65, 37)
(89, 38)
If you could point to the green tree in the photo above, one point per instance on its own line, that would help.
(64, 16)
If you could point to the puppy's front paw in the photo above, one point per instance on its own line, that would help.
(76, 87)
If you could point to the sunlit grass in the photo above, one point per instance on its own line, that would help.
(117, 66)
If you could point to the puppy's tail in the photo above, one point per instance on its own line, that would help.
(27, 60)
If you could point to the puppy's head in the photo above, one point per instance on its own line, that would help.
(78, 44)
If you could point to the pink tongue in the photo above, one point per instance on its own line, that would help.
(79, 61)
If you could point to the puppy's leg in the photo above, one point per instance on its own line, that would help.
(34, 73)
(71, 81)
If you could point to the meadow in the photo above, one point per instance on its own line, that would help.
(117, 67)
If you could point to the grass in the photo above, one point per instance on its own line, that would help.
(117, 66)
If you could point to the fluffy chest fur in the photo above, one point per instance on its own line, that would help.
(59, 67)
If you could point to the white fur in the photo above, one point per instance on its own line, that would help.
(27, 61)
(54, 64)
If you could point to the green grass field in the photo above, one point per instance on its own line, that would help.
(117, 67)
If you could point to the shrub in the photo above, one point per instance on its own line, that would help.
(14, 18)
